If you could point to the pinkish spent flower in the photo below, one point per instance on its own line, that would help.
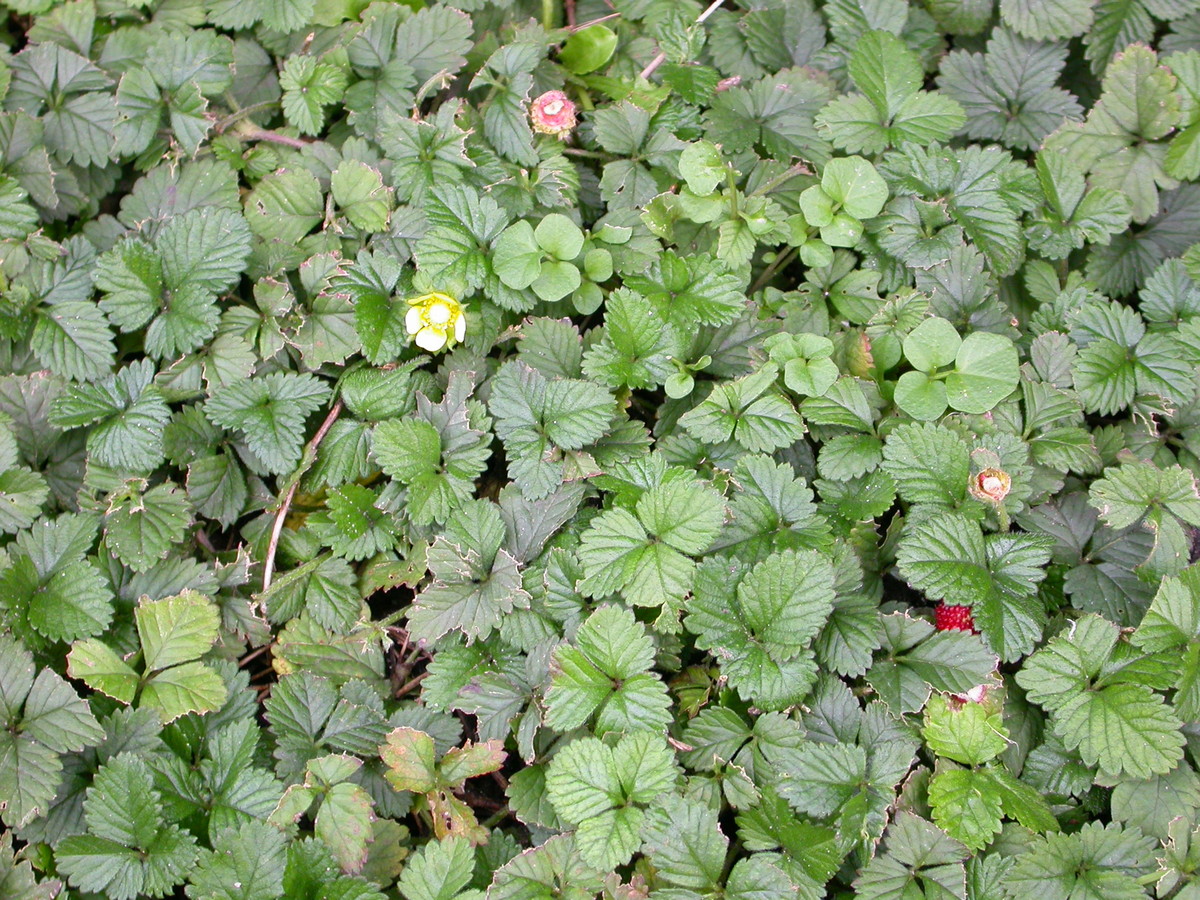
(553, 113)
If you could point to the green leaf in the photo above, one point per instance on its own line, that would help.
(750, 411)
(174, 632)
(760, 632)
(43, 719)
(128, 849)
(270, 412)
(702, 167)
(930, 464)
(308, 87)
(439, 870)
(433, 40)
(285, 206)
(604, 673)
(685, 843)
(127, 412)
(141, 526)
(646, 557)
(932, 344)
(538, 419)
(1104, 861)
(853, 183)
(245, 863)
(475, 583)
(603, 790)
(359, 192)
(892, 108)
(588, 49)
(1129, 493)
(73, 339)
(1047, 19)
(985, 372)
(966, 805)
(1123, 727)
(968, 733)
(517, 258)
(691, 291)
(1115, 144)
(919, 855)
(1011, 93)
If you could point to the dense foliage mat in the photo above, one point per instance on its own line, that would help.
(511, 449)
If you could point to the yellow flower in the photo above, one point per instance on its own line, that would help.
(436, 321)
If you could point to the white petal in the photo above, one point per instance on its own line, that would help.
(460, 327)
(431, 339)
(412, 320)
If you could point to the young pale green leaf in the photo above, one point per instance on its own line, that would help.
(604, 673)
(603, 792)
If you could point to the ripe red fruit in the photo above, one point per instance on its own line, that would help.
(953, 618)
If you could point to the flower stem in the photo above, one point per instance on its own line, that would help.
(779, 262)
(662, 57)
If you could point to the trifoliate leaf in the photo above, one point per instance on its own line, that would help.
(646, 557)
(891, 109)
(1115, 144)
(127, 412)
(141, 525)
(174, 632)
(603, 792)
(270, 412)
(475, 583)
(1124, 727)
(604, 673)
(43, 719)
(128, 848)
(759, 622)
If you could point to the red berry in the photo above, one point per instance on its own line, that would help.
(954, 618)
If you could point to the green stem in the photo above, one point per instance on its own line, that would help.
(239, 114)
(587, 154)
(781, 260)
(731, 184)
(790, 173)
(549, 8)
(392, 618)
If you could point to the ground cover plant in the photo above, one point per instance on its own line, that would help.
(504, 450)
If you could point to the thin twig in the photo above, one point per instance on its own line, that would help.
(285, 501)
(242, 113)
(662, 57)
(253, 655)
(570, 8)
(792, 171)
(410, 684)
(782, 259)
(582, 25)
(274, 137)
(587, 154)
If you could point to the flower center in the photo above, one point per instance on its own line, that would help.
(553, 108)
(993, 485)
(439, 314)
